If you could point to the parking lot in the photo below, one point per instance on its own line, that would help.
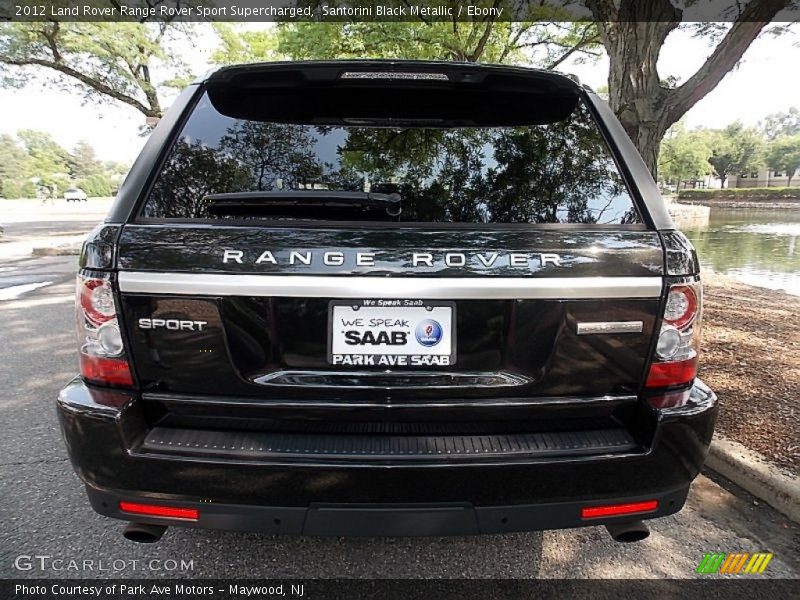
(44, 512)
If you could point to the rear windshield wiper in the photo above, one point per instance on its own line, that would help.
(278, 201)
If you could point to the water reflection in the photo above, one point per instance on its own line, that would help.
(758, 247)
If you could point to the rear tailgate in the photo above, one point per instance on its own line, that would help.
(534, 313)
(391, 232)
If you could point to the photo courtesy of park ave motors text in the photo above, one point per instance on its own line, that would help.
(297, 291)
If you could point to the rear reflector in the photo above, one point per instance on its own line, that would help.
(103, 370)
(612, 510)
(156, 510)
(664, 374)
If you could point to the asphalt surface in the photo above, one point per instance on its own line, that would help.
(44, 512)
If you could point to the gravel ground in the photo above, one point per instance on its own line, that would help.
(751, 358)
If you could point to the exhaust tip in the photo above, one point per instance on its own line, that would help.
(626, 533)
(143, 533)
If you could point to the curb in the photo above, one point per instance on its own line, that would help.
(60, 250)
(754, 473)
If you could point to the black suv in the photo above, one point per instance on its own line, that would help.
(387, 298)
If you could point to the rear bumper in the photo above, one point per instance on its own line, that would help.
(103, 428)
(417, 519)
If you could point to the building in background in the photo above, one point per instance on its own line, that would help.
(762, 178)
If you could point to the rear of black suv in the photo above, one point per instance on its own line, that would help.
(392, 298)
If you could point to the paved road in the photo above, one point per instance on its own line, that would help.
(43, 510)
(29, 223)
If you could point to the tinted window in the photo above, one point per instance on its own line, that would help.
(555, 172)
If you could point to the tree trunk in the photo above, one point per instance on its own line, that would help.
(633, 35)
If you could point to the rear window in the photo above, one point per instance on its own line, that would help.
(557, 169)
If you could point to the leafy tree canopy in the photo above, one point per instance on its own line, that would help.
(684, 155)
(102, 61)
(633, 33)
(47, 159)
(33, 163)
(83, 161)
(540, 39)
(734, 149)
(13, 157)
(783, 155)
(781, 123)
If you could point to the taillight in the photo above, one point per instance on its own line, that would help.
(102, 352)
(675, 360)
(681, 308)
(613, 510)
(159, 510)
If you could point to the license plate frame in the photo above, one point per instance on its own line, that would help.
(397, 308)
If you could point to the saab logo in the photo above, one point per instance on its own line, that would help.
(389, 338)
(429, 332)
(735, 563)
(172, 324)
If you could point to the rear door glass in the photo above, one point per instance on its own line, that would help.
(384, 170)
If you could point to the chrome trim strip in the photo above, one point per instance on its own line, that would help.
(610, 327)
(413, 380)
(396, 405)
(423, 288)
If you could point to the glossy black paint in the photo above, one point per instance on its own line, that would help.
(253, 347)
(261, 363)
(680, 255)
(99, 248)
(410, 519)
(200, 248)
(94, 432)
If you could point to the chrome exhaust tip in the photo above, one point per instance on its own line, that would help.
(629, 531)
(143, 533)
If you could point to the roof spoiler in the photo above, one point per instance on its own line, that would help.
(393, 72)
(392, 93)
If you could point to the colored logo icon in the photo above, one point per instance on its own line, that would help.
(735, 562)
(429, 332)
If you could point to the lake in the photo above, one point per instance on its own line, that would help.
(758, 247)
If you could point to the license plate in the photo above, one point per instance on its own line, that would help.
(391, 333)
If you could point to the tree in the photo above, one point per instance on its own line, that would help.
(83, 161)
(192, 172)
(684, 155)
(104, 61)
(48, 161)
(243, 46)
(536, 36)
(778, 124)
(783, 155)
(13, 158)
(96, 186)
(633, 33)
(735, 149)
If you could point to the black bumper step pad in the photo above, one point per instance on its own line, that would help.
(265, 445)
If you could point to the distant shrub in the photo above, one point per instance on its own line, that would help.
(11, 189)
(776, 193)
(96, 186)
(28, 190)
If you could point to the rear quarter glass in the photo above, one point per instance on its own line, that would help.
(557, 169)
